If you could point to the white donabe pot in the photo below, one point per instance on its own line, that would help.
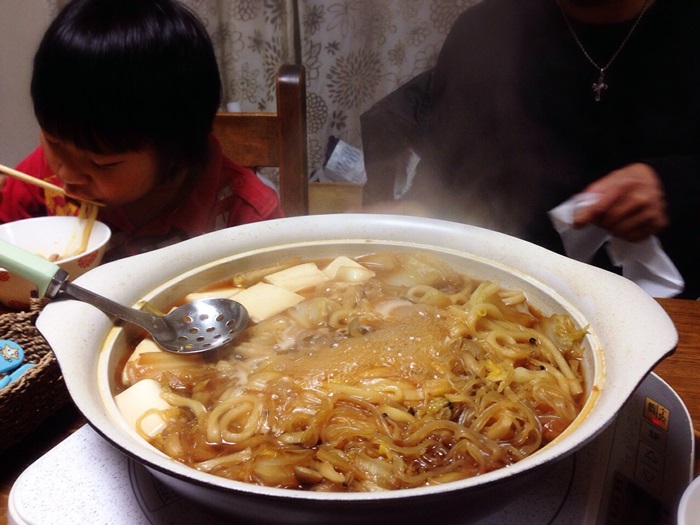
(629, 333)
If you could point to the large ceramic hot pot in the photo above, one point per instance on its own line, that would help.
(629, 333)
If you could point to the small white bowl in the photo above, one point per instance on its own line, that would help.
(689, 507)
(46, 236)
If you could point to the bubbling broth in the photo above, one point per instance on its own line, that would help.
(387, 371)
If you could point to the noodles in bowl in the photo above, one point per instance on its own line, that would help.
(76, 244)
(387, 371)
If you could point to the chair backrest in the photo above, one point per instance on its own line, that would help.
(275, 139)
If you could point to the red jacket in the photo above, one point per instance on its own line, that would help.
(225, 195)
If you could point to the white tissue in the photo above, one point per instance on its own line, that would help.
(346, 164)
(233, 107)
(643, 262)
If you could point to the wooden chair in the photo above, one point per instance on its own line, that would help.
(277, 139)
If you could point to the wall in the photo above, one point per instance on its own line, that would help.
(22, 23)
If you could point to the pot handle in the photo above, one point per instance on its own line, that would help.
(38, 270)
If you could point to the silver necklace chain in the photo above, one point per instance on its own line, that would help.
(600, 85)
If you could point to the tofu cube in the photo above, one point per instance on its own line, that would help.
(297, 277)
(223, 293)
(345, 269)
(145, 346)
(139, 399)
(263, 300)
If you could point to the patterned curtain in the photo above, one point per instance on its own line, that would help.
(53, 6)
(355, 52)
(252, 39)
(358, 51)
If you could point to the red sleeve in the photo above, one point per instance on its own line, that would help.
(252, 200)
(19, 200)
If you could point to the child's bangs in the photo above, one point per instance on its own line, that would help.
(80, 115)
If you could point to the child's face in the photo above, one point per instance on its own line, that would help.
(112, 179)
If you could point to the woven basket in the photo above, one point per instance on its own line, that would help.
(40, 391)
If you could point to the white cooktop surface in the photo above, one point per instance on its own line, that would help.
(86, 480)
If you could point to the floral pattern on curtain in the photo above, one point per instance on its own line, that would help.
(355, 53)
(53, 6)
(358, 51)
(252, 38)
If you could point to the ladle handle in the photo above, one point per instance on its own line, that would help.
(147, 321)
(49, 277)
(36, 269)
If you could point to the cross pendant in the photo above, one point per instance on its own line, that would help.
(600, 86)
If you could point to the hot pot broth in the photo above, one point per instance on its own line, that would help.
(387, 372)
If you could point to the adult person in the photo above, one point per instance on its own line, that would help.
(125, 93)
(532, 102)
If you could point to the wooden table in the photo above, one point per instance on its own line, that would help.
(681, 370)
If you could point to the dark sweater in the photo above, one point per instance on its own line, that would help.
(507, 125)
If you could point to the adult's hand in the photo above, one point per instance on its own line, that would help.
(632, 203)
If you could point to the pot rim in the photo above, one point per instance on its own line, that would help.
(624, 317)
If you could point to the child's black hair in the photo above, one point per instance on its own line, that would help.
(115, 75)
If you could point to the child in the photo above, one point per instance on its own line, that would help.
(125, 92)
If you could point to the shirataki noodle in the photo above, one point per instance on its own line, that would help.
(419, 375)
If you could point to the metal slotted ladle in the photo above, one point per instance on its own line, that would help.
(202, 325)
